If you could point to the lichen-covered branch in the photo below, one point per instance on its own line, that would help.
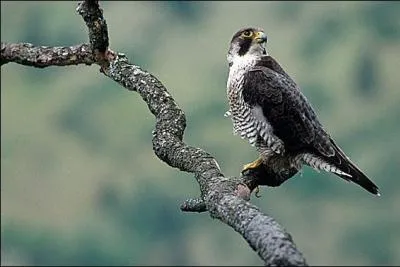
(92, 14)
(44, 56)
(194, 205)
(220, 194)
(224, 198)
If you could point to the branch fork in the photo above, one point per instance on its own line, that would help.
(224, 198)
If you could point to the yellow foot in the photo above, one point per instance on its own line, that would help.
(252, 165)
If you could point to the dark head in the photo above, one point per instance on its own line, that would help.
(248, 41)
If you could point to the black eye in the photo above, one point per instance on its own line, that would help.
(247, 33)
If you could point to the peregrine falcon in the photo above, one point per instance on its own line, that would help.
(269, 110)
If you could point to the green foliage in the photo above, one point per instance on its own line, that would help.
(289, 10)
(367, 74)
(383, 18)
(46, 247)
(79, 117)
(376, 246)
(82, 186)
(189, 11)
(321, 37)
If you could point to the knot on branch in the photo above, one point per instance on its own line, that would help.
(243, 191)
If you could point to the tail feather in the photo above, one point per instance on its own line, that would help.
(343, 163)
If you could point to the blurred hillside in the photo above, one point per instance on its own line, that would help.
(80, 183)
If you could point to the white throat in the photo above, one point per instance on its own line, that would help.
(239, 65)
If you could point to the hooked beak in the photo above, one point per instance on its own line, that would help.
(260, 37)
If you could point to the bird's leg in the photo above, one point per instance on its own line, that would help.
(253, 164)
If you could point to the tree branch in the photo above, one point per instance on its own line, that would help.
(224, 198)
(92, 14)
(44, 56)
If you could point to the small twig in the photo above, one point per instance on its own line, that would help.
(92, 14)
(194, 205)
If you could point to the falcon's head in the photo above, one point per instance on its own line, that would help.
(248, 41)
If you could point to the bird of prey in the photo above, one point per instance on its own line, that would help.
(269, 110)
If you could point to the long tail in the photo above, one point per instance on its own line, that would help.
(344, 164)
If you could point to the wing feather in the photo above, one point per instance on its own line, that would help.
(285, 108)
(294, 121)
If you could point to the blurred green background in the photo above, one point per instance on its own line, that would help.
(80, 183)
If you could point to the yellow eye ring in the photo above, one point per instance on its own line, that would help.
(247, 33)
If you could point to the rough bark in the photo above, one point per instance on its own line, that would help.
(44, 56)
(224, 198)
